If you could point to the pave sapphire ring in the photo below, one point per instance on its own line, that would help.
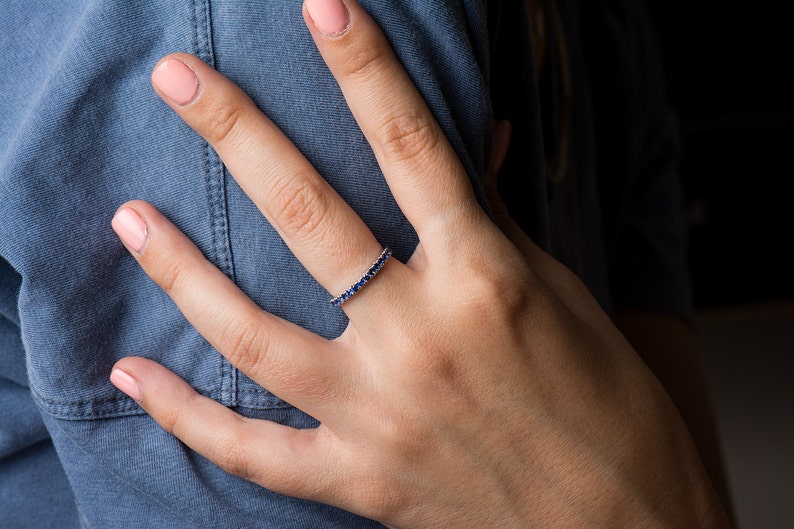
(369, 274)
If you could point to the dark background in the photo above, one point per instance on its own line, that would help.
(730, 76)
(730, 73)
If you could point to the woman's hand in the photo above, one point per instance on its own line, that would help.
(476, 385)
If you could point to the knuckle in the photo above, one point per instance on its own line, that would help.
(232, 454)
(488, 287)
(299, 207)
(408, 136)
(171, 274)
(493, 292)
(174, 418)
(169, 420)
(496, 296)
(245, 344)
(223, 120)
(363, 63)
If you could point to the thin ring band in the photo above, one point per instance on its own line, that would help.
(369, 274)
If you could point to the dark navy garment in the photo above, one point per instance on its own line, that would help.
(82, 131)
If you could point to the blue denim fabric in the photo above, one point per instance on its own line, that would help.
(81, 132)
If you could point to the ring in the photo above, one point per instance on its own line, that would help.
(369, 274)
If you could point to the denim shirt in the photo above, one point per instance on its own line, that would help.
(82, 131)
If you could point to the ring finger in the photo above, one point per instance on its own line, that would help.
(323, 232)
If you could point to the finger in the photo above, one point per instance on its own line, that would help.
(279, 458)
(323, 232)
(293, 363)
(421, 167)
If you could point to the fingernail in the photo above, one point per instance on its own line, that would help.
(131, 229)
(123, 381)
(330, 17)
(176, 81)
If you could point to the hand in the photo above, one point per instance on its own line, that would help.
(476, 385)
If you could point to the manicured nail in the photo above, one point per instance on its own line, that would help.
(330, 17)
(178, 82)
(131, 229)
(123, 381)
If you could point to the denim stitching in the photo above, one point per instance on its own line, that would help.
(216, 193)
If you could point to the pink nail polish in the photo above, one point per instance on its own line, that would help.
(123, 381)
(178, 82)
(131, 229)
(329, 16)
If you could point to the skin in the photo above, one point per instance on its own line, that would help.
(477, 385)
